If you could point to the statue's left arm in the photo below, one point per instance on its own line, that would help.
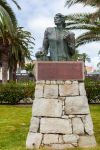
(71, 43)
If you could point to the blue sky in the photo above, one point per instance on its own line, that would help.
(36, 15)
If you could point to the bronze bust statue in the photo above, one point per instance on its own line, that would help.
(58, 41)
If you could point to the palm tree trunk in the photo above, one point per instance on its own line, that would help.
(4, 64)
(14, 71)
(10, 74)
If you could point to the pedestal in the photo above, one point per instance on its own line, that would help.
(60, 113)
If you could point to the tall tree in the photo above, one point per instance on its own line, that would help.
(8, 24)
(20, 49)
(15, 42)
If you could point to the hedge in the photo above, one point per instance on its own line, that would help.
(92, 90)
(12, 93)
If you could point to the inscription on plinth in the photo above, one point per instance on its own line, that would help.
(69, 70)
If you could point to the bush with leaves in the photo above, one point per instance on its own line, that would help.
(92, 90)
(12, 93)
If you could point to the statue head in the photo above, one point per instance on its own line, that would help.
(59, 19)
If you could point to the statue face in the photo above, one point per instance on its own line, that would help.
(58, 20)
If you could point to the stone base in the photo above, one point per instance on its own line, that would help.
(60, 116)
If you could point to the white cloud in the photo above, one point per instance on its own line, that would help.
(40, 23)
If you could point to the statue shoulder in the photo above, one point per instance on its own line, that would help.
(49, 29)
(70, 33)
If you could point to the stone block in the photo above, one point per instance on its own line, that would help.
(60, 82)
(55, 125)
(71, 138)
(39, 90)
(34, 126)
(54, 82)
(75, 82)
(88, 125)
(33, 140)
(40, 82)
(61, 146)
(50, 138)
(68, 90)
(76, 105)
(48, 82)
(51, 91)
(87, 141)
(78, 127)
(82, 89)
(47, 107)
(68, 82)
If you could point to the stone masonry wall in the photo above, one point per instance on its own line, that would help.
(60, 116)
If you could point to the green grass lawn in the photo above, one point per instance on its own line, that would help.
(14, 125)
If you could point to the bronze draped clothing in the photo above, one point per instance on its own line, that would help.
(59, 48)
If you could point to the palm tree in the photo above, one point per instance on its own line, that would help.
(8, 24)
(15, 42)
(20, 49)
(84, 57)
(29, 68)
(75, 57)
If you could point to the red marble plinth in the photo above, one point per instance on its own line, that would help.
(61, 70)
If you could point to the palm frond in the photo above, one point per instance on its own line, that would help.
(14, 1)
(85, 2)
(7, 8)
(87, 38)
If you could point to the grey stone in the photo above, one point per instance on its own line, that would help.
(33, 140)
(55, 125)
(48, 82)
(54, 82)
(50, 138)
(60, 82)
(88, 125)
(78, 127)
(40, 82)
(68, 82)
(87, 141)
(82, 89)
(47, 107)
(61, 146)
(51, 91)
(34, 126)
(75, 82)
(39, 90)
(68, 90)
(76, 105)
(71, 138)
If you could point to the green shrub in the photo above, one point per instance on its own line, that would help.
(12, 93)
(92, 90)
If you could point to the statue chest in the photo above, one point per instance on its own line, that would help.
(56, 35)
